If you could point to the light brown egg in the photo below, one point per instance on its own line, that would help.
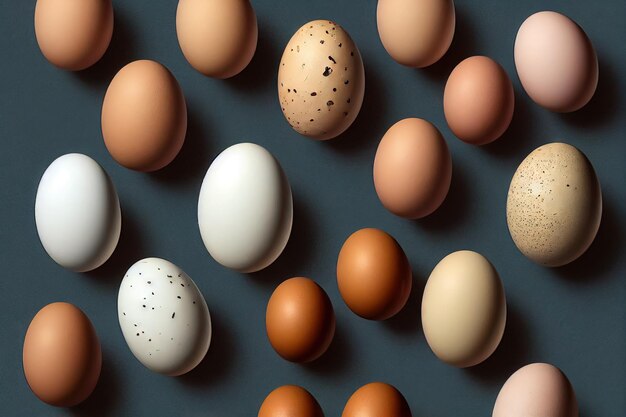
(416, 33)
(290, 401)
(554, 205)
(377, 399)
(61, 356)
(478, 100)
(412, 169)
(373, 274)
(321, 80)
(73, 34)
(144, 116)
(217, 37)
(300, 320)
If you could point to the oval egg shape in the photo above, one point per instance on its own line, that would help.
(77, 213)
(164, 317)
(245, 208)
(290, 400)
(376, 399)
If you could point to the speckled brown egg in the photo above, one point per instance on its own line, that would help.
(554, 205)
(377, 399)
(290, 401)
(321, 80)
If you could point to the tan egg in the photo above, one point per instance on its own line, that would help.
(478, 100)
(377, 399)
(300, 320)
(217, 37)
(73, 34)
(144, 116)
(412, 169)
(463, 309)
(373, 274)
(554, 205)
(416, 33)
(62, 356)
(321, 80)
(288, 401)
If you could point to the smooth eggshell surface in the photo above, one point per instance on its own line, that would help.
(290, 400)
(376, 399)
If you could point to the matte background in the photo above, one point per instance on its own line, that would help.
(573, 317)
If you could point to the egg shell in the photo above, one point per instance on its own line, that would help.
(463, 309)
(73, 34)
(290, 400)
(321, 80)
(416, 33)
(377, 399)
(538, 389)
(77, 213)
(554, 205)
(556, 62)
(62, 356)
(164, 317)
(144, 116)
(217, 37)
(412, 169)
(245, 208)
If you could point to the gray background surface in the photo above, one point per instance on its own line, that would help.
(573, 317)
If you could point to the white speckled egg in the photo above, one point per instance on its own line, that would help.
(77, 213)
(163, 317)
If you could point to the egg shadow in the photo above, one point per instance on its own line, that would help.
(105, 396)
(336, 359)
(408, 320)
(515, 140)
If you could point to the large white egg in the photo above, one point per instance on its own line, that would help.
(77, 213)
(245, 208)
(163, 317)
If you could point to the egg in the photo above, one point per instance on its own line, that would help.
(300, 320)
(538, 389)
(373, 274)
(377, 399)
(478, 100)
(144, 116)
(217, 37)
(416, 33)
(164, 317)
(321, 80)
(463, 309)
(554, 205)
(245, 208)
(290, 400)
(73, 34)
(412, 169)
(556, 62)
(62, 356)
(77, 213)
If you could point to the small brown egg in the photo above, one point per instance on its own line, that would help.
(73, 34)
(412, 169)
(377, 399)
(478, 100)
(144, 116)
(373, 274)
(300, 320)
(61, 356)
(290, 401)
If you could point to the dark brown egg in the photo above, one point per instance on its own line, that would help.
(377, 399)
(290, 401)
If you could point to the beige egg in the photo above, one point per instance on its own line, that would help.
(321, 80)
(554, 205)
(463, 309)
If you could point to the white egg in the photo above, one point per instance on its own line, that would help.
(77, 213)
(163, 317)
(245, 208)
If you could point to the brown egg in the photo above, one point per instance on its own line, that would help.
(412, 169)
(300, 320)
(377, 399)
(217, 37)
(73, 34)
(62, 356)
(290, 401)
(373, 274)
(144, 116)
(478, 100)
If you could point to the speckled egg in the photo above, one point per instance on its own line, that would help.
(163, 317)
(321, 80)
(554, 205)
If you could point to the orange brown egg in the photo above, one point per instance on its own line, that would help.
(288, 401)
(377, 399)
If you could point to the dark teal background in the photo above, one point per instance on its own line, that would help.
(573, 317)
